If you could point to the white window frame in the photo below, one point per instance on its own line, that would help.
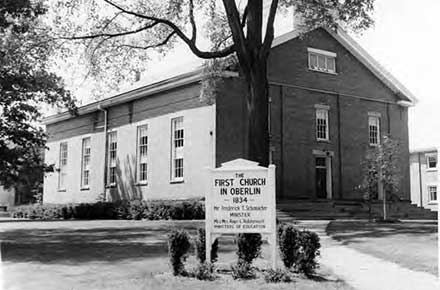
(112, 162)
(374, 121)
(429, 187)
(142, 154)
(322, 111)
(431, 155)
(85, 162)
(177, 149)
(63, 161)
(328, 57)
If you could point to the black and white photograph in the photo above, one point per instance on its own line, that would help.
(219, 144)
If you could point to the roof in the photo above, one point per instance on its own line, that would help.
(366, 59)
(136, 93)
(195, 75)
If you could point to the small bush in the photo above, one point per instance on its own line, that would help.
(249, 247)
(310, 251)
(204, 271)
(200, 244)
(299, 249)
(277, 276)
(288, 243)
(137, 209)
(243, 270)
(178, 247)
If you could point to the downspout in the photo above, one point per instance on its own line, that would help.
(420, 181)
(105, 149)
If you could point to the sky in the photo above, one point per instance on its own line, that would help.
(406, 41)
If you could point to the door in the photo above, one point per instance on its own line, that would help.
(321, 177)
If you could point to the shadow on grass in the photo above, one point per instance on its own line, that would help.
(352, 232)
(72, 246)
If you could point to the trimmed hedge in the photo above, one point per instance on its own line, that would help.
(132, 210)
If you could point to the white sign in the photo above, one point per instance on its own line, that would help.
(241, 199)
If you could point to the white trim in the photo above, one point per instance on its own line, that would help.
(374, 114)
(322, 107)
(322, 153)
(354, 48)
(322, 52)
(328, 169)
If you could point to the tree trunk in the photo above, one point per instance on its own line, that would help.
(258, 112)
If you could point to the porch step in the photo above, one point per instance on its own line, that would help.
(347, 209)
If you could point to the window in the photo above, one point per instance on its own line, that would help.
(85, 163)
(432, 192)
(63, 166)
(322, 123)
(142, 144)
(177, 140)
(321, 60)
(431, 161)
(373, 130)
(112, 150)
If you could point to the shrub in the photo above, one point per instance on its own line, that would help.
(243, 270)
(277, 276)
(200, 244)
(299, 249)
(204, 271)
(178, 247)
(288, 243)
(249, 247)
(137, 209)
(310, 251)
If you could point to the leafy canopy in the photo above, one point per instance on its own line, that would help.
(25, 86)
(114, 38)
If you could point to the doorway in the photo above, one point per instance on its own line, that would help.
(323, 177)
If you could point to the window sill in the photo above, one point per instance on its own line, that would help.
(433, 202)
(176, 181)
(431, 169)
(141, 184)
(374, 145)
(84, 188)
(321, 71)
(323, 141)
(62, 190)
(110, 185)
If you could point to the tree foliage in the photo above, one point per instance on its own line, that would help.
(25, 86)
(114, 33)
(381, 168)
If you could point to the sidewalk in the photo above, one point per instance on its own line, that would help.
(365, 272)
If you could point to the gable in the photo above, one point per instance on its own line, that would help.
(356, 72)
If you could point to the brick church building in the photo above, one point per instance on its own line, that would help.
(329, 103)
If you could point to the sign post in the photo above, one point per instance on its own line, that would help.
(240, 198)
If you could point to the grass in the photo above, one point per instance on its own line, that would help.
(411, 245)
(116, 255)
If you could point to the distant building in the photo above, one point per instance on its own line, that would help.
(7, 197)
(329, 103)
(424, 177)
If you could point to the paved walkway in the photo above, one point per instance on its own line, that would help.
(365, 272)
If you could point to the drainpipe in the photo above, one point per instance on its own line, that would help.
(420, 180)
(105, 149)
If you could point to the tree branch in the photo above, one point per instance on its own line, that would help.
(268, 38)
(244, 18)
(111, 35)
(165, 41)
(237, 32)
(191, 44)
(192, 21)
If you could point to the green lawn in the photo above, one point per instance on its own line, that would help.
(115, 255)
(411, 245)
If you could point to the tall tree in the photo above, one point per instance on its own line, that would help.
(25, 85)
(114, 29)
